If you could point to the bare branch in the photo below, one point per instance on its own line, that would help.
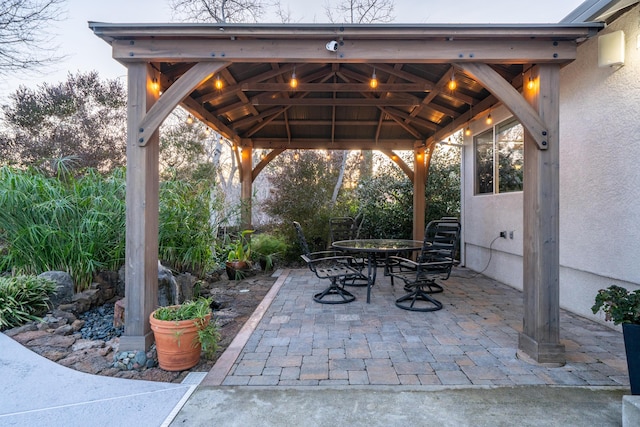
(222, 11)
(25, 42)
(360, 11)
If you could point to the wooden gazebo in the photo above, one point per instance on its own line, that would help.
(237, 79)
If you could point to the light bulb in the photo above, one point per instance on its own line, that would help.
(296, 156)
(452, 83)
(373, 83)
(218, 83)
(189, 119)
(154, 84)
(294, 81)
(531, 84)
(489, 119)
(467, 131)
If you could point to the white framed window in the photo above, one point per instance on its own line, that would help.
(499, 158)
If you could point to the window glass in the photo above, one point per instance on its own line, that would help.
(484, 162)
(510, 147)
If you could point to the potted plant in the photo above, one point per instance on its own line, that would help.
(239, 256)
(623, 307)
(182, 332)
(265, 247)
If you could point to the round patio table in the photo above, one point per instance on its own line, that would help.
(374, 248)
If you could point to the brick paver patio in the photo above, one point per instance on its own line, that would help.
(471, 341)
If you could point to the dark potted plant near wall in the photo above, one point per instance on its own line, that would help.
(265, 247)
(623, 307)
(239, 256)
(182, 332)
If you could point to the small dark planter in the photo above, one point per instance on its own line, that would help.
(631, 333)
(236, 270)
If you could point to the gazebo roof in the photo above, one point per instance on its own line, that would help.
(333, 106)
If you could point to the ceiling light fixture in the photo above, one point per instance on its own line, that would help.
(373, 83)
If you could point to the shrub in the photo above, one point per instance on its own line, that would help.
(66, 223)
(22, 299)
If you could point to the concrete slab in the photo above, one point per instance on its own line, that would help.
(631, 411)
(37, 391)
(402, 406)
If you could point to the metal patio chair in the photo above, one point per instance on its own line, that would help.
(332, 265)
(434, 263)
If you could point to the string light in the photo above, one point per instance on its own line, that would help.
(373, 83)
(296, 156)
(452, 82)
(467, 131)
(531, 84)
(154, 84)
(218, 83)
(189, 119)
(294, 81)
(489, 119)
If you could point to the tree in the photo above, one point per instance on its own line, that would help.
(24, 39)
(83, 119)
(222, 11)
(360, 11)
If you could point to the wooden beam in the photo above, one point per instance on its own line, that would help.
(540, 336)
(419, 190)
(336, 87)
(141, 249)
(338, 144)
(350, 102)
(198, 111)
(173, 96)
(246, 184)
(264, 162)
(398, 161)
(511, 99)
(353, 51)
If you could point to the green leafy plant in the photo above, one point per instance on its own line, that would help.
(197, 309)
(240, 250)
(618, 304)
(265, 247)
(22, 299)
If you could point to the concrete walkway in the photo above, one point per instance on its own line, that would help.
(39, 392)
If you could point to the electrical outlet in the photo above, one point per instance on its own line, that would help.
(503, 234)
(511, 234)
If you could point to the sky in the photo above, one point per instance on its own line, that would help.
(85, 52)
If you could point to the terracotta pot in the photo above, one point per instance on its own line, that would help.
(177, 342)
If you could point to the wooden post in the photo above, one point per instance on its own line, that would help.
(246, 182)
(141, 253)
(540, 337)
(419, 188)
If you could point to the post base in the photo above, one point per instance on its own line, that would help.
(136, 342)
(548, 354)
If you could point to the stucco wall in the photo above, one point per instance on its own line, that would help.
(599, 182)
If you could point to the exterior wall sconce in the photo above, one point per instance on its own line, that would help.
(611, 49)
